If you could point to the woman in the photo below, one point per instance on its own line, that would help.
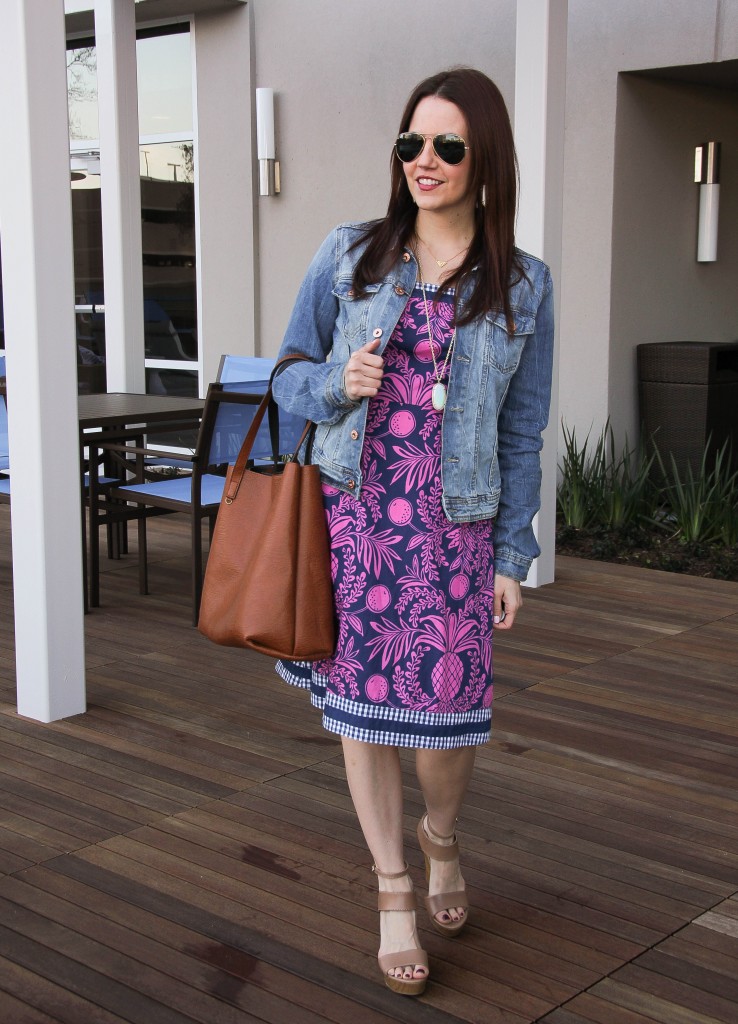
(431, 343)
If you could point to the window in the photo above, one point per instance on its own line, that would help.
(167, 210)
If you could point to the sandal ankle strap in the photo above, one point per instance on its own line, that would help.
(433, 835)
(436, 851)
(384, 874)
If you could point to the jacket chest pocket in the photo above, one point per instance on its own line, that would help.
(353, 313)
(503, 350)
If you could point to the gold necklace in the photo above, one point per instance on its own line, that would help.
(439, 390)
(442, 263)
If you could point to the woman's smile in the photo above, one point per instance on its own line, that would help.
(427, 184)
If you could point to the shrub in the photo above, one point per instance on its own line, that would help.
(702, 508)
(599, 488)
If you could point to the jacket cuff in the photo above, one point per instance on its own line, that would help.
(335, 392)
(512, 564)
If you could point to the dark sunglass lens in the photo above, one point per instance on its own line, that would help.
(409, 146)
(450, 148)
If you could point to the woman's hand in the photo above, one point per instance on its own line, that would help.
(508, 599)
(363, 373)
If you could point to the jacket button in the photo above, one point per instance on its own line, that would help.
(351, 484)
(354, 435)
(399, 290)
(351, 293)
(377, 332)
(406, 257)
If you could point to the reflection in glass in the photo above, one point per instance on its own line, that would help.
(164, 84)
(82, 92)
(168, 211)
(88, 282)
(168, 229)
(167, 381)
(169, 287)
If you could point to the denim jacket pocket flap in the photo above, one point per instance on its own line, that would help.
(353, 312)
(523, 324)
(344, 290)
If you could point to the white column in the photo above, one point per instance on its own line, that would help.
(38, 295)
(224, 187)
(540, 93)
(120, 180)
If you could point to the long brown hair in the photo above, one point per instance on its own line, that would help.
(494, 169)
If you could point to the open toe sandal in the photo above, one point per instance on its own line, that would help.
(407, 957)
(442, 900)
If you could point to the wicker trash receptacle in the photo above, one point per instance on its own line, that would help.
(688, 396)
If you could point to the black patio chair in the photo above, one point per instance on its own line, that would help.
(227, 416)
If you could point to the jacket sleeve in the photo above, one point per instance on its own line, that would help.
(314, 390)
(521, 421)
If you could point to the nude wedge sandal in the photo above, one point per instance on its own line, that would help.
(416, 957)
(443, 900)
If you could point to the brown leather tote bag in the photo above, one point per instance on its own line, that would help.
(268, 581)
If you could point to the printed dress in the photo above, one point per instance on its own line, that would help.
(413, 591)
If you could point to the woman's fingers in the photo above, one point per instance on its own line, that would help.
(508, 601)
(364, 371)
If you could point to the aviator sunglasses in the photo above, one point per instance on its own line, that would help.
(448, 147)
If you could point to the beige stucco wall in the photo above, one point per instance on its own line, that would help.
(605, 39)
(659, 291)
(342, 70)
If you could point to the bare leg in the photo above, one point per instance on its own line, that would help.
(375, 782)
(444, 778)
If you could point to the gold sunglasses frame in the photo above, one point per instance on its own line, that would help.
(439, 135)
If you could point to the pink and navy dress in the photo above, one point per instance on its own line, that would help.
(413, 591)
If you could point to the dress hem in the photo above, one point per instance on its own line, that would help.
(333, 723)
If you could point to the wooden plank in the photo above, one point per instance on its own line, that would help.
(666, 1001)
(33, 947)
(704, 947)
(548, 925)
(13, 1011)
(196, 821)
(184, 981)
(77, 747)
(298, 898)
(42, 1001)
(331, 963)
(188, 954)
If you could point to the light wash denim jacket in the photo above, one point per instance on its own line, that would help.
(499, 390)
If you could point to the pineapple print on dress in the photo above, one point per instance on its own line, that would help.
(414, 592)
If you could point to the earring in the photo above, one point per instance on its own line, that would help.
(483, 196)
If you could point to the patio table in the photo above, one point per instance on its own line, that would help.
(122, 416)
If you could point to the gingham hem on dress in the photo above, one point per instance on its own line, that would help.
(432, 730)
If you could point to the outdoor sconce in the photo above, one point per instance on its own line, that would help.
(707, 175)
(269, 183)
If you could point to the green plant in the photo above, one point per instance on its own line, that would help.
(628, 492)
(600, 488)
(702, 507)
(575, 495)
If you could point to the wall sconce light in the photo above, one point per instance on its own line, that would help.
(707, 175)
(269, 178)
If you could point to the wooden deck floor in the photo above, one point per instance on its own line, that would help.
(187, 851)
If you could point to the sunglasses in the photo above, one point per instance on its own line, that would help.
(448, 147)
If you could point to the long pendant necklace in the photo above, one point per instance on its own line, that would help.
(439, 391)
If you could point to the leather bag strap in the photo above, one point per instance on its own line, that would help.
(267, 402)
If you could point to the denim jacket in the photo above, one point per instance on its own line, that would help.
(499, 390)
